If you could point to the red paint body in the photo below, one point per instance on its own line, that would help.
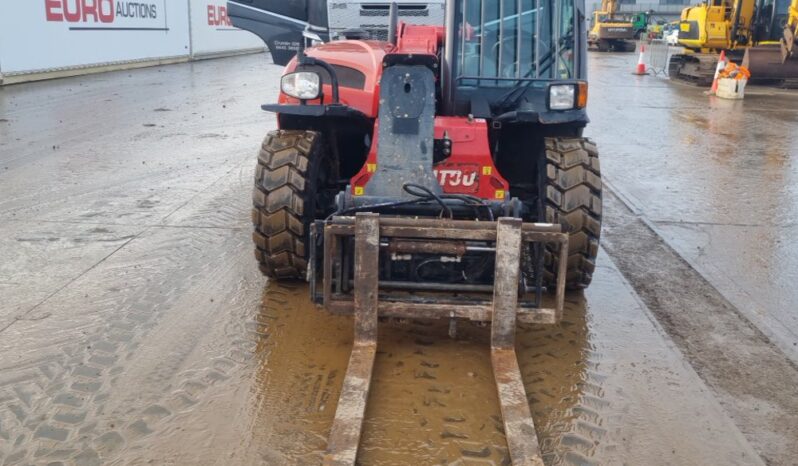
(363, 55)
(469, 169)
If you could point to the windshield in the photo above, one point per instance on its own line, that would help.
(515, 40)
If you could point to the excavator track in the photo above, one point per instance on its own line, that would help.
(763, 61)
(694, 68)
(613, 45)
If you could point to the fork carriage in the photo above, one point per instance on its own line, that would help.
(370, 296)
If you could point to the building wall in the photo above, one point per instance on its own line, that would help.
(212, 33)
(43, 38)
(668, 10)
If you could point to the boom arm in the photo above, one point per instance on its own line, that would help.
(609, 7)
(789, 43)
(742, 21)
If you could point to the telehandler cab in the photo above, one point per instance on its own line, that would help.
(439, 174)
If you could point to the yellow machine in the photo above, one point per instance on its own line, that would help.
(717, 25)
(749, 32)
(656, 29)
(789, 42)
(611, 33)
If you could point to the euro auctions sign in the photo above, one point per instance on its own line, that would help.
(212, 31)
(107, 14)
(217, 16)
(52, 35)
(59, 35)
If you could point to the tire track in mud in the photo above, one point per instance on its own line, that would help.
(754, 381)
(568, 406)
(433, 399)
(302, 357)
(66, 407)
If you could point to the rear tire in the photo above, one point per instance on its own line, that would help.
(291, 167)
(572, 198)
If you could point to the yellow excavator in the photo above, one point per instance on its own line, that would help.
(789, 41)
(611, 32)
(748, 30)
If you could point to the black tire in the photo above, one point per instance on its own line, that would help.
(292, 165)
(573, 199)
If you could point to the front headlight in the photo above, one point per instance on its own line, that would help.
(303, 85)
(562, 96)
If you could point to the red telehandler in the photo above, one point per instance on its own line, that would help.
(439, 174)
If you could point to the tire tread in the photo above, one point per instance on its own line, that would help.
(280, 196)
(573, 199)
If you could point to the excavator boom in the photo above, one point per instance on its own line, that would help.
(789, 42)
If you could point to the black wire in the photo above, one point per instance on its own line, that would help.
(408, 187)
(424, 195)
(464, 201)
(366, 208)
(383, 205)
(472, 201)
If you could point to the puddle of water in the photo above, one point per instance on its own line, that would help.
(433, 399)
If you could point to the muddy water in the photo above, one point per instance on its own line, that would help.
(716, 177)
(433, 400)
(135, 329)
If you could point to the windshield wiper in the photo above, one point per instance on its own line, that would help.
(547, 60)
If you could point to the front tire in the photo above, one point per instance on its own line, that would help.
(292, 165)
(572, 198)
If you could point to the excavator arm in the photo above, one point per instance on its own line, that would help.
(608, 8)
(742, 20)
(611, 7)
(789, 43)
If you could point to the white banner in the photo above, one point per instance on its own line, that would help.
(41, 35)
(212, 32)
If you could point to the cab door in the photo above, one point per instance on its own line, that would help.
(280, 23)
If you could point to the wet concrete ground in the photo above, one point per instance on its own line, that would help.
(135, 329)
(717, 178)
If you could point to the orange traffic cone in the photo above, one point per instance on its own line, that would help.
(641, 63)
(718, 69)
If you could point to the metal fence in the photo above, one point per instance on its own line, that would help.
(656, 56)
